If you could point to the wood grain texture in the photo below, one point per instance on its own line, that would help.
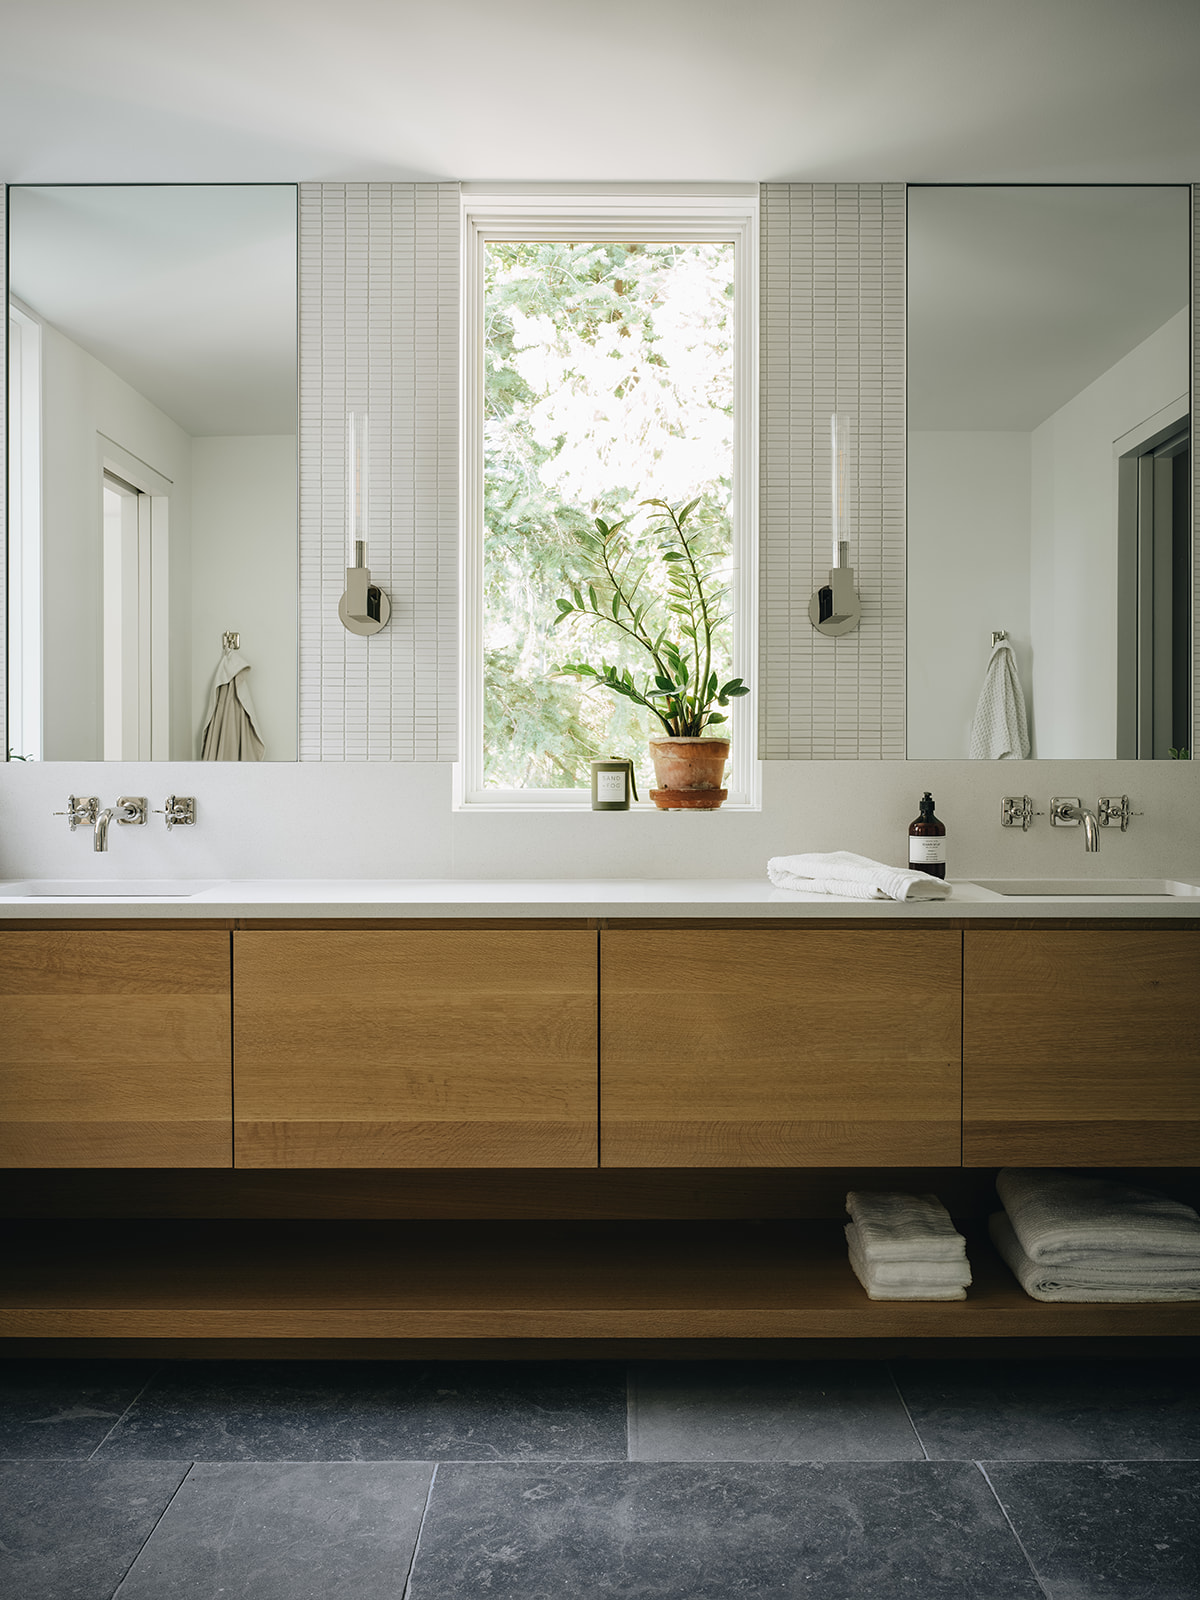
(431, 1048)
(1081, 1048)
(783, 1046)
(116, 1048)
(506, 1281)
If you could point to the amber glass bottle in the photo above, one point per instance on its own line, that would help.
(927, 841)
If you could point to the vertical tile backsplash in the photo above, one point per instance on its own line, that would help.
(832, 339)
(379, 327)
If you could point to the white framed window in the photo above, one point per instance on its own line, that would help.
(607, 314)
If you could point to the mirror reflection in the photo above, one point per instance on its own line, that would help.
(152, 472)
(1048, 417)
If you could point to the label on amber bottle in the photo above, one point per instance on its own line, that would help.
(923, 851)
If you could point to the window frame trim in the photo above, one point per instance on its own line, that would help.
(546, 211)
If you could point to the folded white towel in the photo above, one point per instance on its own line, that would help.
(893, 1226)
(1000, 727)
(1139, 1279)
(916, 1285)
(909, 1274)
(1063, 1219)
(851, 877)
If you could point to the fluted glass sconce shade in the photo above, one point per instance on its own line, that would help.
(835, 607)
(364, 607)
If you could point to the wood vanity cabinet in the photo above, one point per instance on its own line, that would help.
(116, 1048)
(788, 1046)
(421, 1048)
(1081, 1047)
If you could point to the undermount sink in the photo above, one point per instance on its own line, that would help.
(1056, 888)
(108, 888)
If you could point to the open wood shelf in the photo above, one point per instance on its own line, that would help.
(404, 1280)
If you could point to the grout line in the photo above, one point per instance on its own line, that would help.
(420, 1530)
(1037, 1578)
(158, 1368)
(153, 1530)
(907, 1412)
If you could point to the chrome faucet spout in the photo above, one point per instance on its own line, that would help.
(123, 813)
(1063, 811)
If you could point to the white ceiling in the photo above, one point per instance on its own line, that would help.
(283, 90)
(259, 91)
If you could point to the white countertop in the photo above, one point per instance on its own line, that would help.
(620, 898)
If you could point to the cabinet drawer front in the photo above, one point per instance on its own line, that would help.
(116, 1049)
(1081, 1048)
(780, 1047)
(383, 1048)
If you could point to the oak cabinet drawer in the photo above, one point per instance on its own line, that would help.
(1081, 1048)
(775, 1048)
(116, 1049)
(388, 1048)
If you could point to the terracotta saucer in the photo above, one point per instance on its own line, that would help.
(688, 799)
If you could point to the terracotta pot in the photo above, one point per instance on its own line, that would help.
(689, 773)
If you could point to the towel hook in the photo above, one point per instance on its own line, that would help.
(997, 635)
(231, 641)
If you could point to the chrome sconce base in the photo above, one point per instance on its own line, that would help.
(364, 608)
(835, 609)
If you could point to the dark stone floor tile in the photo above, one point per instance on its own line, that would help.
(628, 1531)
(1107, 1530)
(61, 1410)
(69, 1530)
(768, 1411)
(285, 1531)
(1053, 1410)
(378, 1411)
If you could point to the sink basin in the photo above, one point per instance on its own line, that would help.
(109, 888)
(1056, 888)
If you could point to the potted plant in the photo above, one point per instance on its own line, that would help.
(677, 629)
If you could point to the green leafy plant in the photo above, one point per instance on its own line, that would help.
(1182, 754)
(677, 628)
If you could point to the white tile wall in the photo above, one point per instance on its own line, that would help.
(379, 326)
(832, 339)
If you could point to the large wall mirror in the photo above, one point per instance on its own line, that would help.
(151, 470)
(1048, 448)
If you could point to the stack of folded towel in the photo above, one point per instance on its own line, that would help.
(851, 877)
(1068, 1237)
(905, 1247)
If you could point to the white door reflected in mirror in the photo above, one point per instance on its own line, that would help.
(152, 463)
(1048, 396)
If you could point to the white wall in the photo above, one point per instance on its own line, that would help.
(395, 820)
(1074, 541)
(244, 576)
(968, 574)
(81, 399)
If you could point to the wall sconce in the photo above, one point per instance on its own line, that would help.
(364, 607)
(835, 607)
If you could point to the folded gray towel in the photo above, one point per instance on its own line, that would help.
(920, 1281)
(894, 1226)
(1140, 1279)
(1061, 1218)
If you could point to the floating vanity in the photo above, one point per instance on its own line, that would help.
(360, 1117)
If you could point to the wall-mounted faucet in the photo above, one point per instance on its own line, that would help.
(1066, 812)
(128, 809)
